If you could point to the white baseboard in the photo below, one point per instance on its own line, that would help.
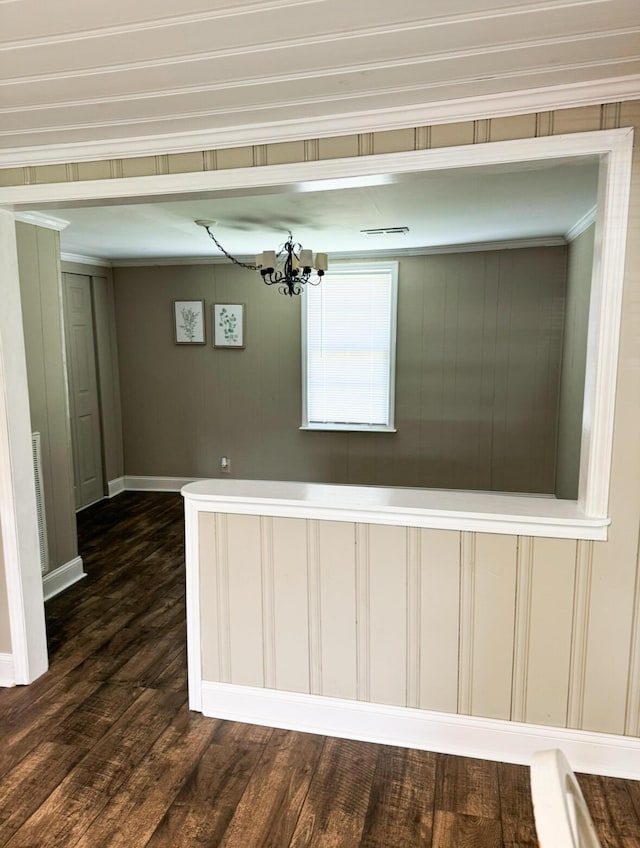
(61, 578)
(491, 739)
(7, 670)
(157, 484)
(115, 487)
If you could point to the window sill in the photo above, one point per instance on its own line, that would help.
(479, 512)
(347, 428)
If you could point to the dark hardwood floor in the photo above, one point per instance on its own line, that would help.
(103, 751)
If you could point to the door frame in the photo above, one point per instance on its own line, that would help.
(17, 499)
(18, 517)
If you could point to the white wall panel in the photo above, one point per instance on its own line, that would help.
(245, 599)
(338, 608)
(492, 625)
(439, 619)
(388, 614)
(290, 603)
(550, 630)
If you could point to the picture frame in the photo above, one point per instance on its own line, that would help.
(189, 322)
(229, 325)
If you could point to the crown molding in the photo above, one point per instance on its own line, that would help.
(582, 224)
(426, 114)
(81, 259)
(470, 247)
(39, 219)
(391, 253)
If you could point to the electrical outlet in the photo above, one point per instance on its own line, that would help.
(225, 464)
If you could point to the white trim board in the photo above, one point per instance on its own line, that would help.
(582, 224)
(156, 484)
(549, 98)
(115, 487)
(81, 259)
(491, 739)
(61, 578)
(133, 483)
(18, 518)
(39, 219)
(7, 670)
(306, 176)
(440, 509)
(381, 255)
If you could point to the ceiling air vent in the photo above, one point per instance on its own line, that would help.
(386, 231)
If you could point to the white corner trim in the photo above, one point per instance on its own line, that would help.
(80, 259)
(194, 644)
(157, 484)
(7, 671)
(504, 104)
(18, 518)
(62, 578)
(446, 733)
(582, 224)
(39, 219)
(115, 487)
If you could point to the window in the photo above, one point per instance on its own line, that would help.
(349, 345)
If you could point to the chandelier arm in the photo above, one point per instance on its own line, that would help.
(229, 256)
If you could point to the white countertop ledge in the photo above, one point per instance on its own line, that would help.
(480, 512)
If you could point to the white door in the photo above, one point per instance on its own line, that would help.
(83, 390)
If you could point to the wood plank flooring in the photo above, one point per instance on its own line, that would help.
(103, 751)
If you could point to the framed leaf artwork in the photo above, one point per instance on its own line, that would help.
(228, 325)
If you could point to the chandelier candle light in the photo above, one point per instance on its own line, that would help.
(290, 267)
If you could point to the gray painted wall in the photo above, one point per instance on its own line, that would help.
(574, 358)
(478, 369)
(41, 294)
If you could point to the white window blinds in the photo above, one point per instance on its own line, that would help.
(349, 328)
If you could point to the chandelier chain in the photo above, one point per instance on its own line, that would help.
(235, 261)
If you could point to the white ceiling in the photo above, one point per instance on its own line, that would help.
(170, 74)
(464, 206)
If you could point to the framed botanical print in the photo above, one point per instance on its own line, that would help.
(188, 322)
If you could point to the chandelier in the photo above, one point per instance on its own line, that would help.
(290, 267)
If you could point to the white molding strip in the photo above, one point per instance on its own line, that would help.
(7, 671)
(504, 104)
(39, 219)
(322, 173)
(157, 484)
(115, 487)
(484, 738)
(62, 578)
(471, 247)
(440, 509)
(80, 259)
(582, 224)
